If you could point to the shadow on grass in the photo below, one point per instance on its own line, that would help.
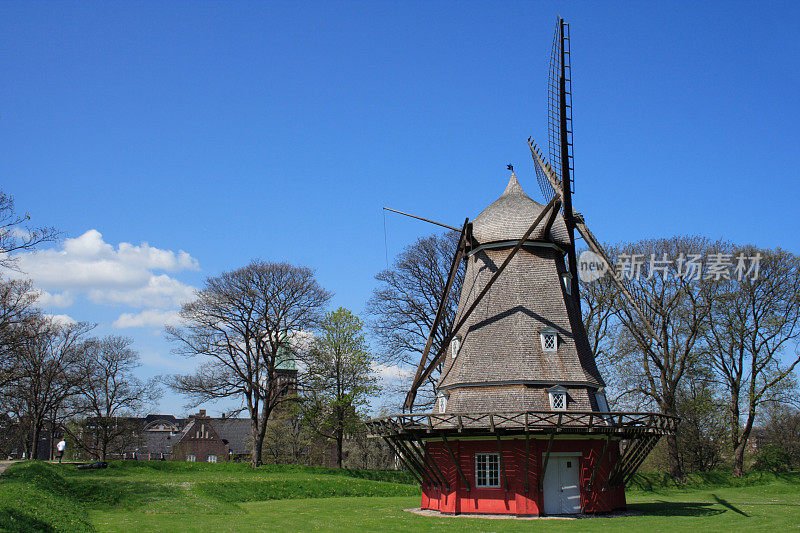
(663, 508)
(15, 521)
(727, 505)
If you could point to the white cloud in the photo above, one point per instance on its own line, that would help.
(391, 372)
(58, 299)
(148, 318)
(63, 319)
(128, 274)
(159, 291)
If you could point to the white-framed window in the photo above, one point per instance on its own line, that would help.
(211, 459)
(558, 398)
(191, 458)
(487, 470)
(455, 346)
(442, 401)
(549, 338)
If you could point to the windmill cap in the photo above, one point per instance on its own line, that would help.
(510, 216)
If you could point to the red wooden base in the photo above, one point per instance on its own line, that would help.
(516, 500)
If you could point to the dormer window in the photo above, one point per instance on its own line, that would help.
(549, 338)
(455, 346)
(558, 398)
(567, 279)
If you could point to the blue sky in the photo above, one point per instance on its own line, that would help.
(278, 130)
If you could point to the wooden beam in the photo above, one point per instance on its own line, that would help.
(502, 462)
(433, 464)
(420, 218)
(414, 459)
(595, 246)
(418, 377)
(395, 451)
(635, 466)
(527, 486)
(590, 239)
(555, 205)
(550, 219)
(455, 462)
(599, 460)
(546, 459)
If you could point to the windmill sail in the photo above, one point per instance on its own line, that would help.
(559, 96)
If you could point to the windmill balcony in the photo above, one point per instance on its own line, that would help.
(510, 462)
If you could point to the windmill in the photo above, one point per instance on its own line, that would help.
(551, 179)
(521, 390)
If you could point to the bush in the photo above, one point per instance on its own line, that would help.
(772, 458)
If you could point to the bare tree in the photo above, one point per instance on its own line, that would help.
(339, 378)
(678, 306)
(45, 373)
(108, 389)
(404, 305)
(16, 235)
(752, 332)
(603, 330)
(241, 325)
(16, 309)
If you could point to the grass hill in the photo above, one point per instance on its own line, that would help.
(167, 496)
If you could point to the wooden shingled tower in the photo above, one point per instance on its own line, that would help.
(521, 424)
(526, 335)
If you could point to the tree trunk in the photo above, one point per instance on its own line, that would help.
(339, 442)
(258, 444)
(738, 454)
(255, 457)
(673, 451)
(37, 430)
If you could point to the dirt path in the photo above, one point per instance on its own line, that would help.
(4, 465)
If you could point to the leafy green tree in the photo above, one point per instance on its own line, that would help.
(339, 379)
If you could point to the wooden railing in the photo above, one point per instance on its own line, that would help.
(532, 421)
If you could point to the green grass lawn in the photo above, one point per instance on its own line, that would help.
(203, 497)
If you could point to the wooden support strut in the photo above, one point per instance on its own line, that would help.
(434, 466)
(395, 451)
(555, 205)
(502, 462)
(527, 486)
(597, 464)
(639, 449)
(546, 459)
(415, 460)
(630, 467)
(412, 393)
(590, 239)
(633, 449)
(455, 462)
(635, 466)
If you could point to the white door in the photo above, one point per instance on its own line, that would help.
(562, 493)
